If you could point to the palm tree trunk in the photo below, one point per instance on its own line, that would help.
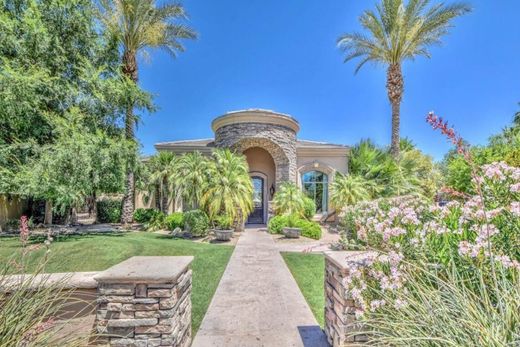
(130, 70)
(395, 88)
(164, 196)
(157, 197)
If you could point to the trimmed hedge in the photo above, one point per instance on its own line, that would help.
(145, 215)
(174, 220)
(196, 222)
(109, 210)
(309, 229)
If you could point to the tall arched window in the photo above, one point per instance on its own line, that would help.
(316, 186)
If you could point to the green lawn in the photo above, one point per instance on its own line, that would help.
(309, 270)
(99, 252)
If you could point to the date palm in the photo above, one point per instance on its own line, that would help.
(190, 178)
(396, 32)
(229, 190)
(162, 166)
(348, 190)
(138, 25)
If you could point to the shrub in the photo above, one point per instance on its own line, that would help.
(197, 222)
(224, 222)
(276, 224)
(109, 210)
(157, 222)
(309, 207)
(145, 215)
(309, 229)
(174, 220)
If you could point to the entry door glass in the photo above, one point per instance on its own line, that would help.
(257, 216)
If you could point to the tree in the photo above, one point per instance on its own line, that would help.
(289, 199)
(398, 32)
(190, 177)
(162, 167)
(229, 190)
(137, 25)
(348, 190)
(56, 62)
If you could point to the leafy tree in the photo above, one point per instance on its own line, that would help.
(229, 190)
(138, 25)
(399, 31)
(54, 63)
(78, 164)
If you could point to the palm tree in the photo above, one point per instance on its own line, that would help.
(162, 166)
(348, 190)
(191, 177)
(398, 32)
(137, 25)
(229, 190)
(289, 199)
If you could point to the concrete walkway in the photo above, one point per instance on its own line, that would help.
(258, 302)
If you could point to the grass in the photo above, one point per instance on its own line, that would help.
(99, 252)
(309, 270)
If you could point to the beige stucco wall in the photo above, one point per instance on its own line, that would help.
(339, 163)
(11, 209)
(259, 160)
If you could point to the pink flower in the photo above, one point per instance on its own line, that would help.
(515, 188)
(515, 208)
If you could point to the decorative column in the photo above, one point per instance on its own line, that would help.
(341, 323)
(144, 302)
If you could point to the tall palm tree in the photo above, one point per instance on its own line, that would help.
(191, 177)
(138, 25)
(399, 31)
(229, 190)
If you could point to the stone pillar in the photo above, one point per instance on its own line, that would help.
(145, 301)
(341, 323)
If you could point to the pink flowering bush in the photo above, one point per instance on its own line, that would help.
(433, 266)
(472, 234)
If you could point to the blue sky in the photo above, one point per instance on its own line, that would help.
(282, 55)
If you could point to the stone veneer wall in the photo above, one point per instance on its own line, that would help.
(340, 320)
(278, 140)
(144, 302)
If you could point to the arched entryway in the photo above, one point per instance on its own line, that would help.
(262, 170)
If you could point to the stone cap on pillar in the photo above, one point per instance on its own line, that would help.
(345, 259)
(143, 269)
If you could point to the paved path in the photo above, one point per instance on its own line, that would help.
(257, 302)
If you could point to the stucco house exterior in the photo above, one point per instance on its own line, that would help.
(274, 153)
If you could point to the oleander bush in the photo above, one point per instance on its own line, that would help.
(174, 220)
(145, 215)
(437, 266)
(109, 210)
(196, 222)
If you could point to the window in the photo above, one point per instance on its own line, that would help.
(316, 186)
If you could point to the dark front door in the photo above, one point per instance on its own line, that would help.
(257, 216)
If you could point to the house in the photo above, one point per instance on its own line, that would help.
(275, 154)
